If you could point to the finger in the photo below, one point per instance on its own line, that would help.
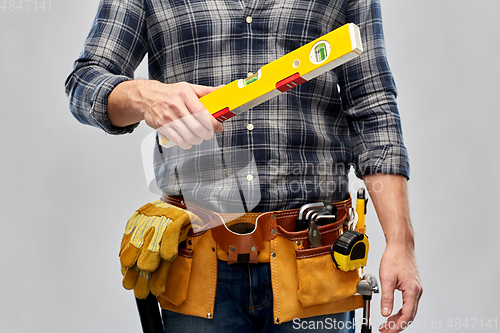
(209, 122)
(141, 288)
(411, 297)
(148, 260)
(186, 126)
(188, 131)
(129, 255)
(182, 134)
(196, 107)
(172, 135)
(202, 91)
(130, 278)
(199, 123)
(125, 241)
(159, 278)
(390, 326)
(216, 125)
(387, 298)
(395, 324)
(192, 123)
(407, 313)
(191, 129)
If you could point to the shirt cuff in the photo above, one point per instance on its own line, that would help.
(99, 102)
(386, 159)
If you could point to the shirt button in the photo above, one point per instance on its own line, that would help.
(249, 19)
(250, 127)
(249, 74)
(249, 178)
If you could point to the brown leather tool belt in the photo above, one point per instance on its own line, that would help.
(305, 281)
(245, 237)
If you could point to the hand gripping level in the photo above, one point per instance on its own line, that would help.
(301, 65)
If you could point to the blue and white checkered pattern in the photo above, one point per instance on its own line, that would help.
(302, 143)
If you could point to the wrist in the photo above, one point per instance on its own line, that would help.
(403, 240)
(124, 103)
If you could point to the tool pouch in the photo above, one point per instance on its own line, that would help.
(305, 281)
(319, 280)
(178, 277)
(192, 278)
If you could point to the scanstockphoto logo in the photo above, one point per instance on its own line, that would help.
(316, 177)
(435, 324)
(315, 173)
(277, 167)
(326, 324)
(320, 177)
(334, 324)
(228, 180)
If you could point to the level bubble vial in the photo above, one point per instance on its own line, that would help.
(320, 52)
(249, 80)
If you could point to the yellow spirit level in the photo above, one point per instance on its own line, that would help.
(350, 251)
(315, 58)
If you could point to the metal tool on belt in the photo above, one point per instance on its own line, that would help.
(366, 287)
(312, 215)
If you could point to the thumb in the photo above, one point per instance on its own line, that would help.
(201, 91)
(387, 299)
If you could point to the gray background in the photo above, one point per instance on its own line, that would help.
(67, 190)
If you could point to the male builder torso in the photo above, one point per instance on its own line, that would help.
(294, 149)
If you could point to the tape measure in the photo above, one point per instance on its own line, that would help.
(350, 251)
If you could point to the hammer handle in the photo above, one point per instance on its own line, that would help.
(150, 315)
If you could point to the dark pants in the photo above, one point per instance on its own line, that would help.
(244, 303)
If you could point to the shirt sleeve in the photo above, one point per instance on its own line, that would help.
(112, 51)
(368, 94)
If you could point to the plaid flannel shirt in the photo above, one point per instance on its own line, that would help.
(295, 148)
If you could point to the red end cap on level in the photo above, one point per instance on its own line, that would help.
(290, 82)
(223, 115)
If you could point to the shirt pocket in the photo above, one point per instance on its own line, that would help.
(302, 21)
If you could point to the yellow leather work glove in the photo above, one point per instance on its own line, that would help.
(133, 278)
(143, 282)
(150, 243)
